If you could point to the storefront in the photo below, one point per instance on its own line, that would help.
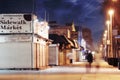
(117, 49)
(22, 44)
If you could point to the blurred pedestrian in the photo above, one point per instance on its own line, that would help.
(89, 58)
(86, 53)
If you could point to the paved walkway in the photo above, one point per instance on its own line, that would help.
(77, 67)
(101, 63)
(80, 67)
(76, 71)
(80, 77)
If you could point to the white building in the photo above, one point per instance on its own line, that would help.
(23, 42)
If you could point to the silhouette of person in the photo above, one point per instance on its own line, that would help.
(89, 58)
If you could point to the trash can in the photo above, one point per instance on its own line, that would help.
(119, 65)
(115, 62)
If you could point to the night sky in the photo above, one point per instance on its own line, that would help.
(86, 13)
(16, 6)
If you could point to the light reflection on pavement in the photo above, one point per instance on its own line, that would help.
(60, 69)
(63, 69)
(62, 73)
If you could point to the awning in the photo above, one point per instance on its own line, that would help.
(58, 39)
(61, 39)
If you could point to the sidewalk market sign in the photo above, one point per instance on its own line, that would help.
(15, 23)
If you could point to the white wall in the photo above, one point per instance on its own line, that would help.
(15, 55)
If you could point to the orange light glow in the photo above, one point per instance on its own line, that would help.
(114, 0)
(111, 12)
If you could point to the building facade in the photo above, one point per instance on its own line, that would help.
(22, 42)
(113, 50)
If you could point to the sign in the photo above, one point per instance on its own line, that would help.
(15, 23)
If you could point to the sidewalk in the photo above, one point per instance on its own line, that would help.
(80, 67)
(76, 71)
(102, 63)
(80, 77)
(76, 67)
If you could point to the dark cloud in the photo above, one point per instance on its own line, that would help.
(76, 8)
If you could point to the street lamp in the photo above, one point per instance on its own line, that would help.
(108, 39)
(105, 37)
(114, 0)
(111, 13)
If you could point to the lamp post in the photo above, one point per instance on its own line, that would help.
(111, 13)
(108, 38)
(105, 37)
(108, 31)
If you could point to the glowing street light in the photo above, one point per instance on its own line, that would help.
(107, 22)
(108, 38)
(114, 0)
(111, 13)
(105, 34)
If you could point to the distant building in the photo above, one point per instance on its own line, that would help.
(114, 4)
(73, 32)
(60, 30)
(87, 36)
(68, 30)
(113, 49)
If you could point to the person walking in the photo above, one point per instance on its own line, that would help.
(89, 58)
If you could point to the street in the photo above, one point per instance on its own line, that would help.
(59, 39)
(68, 72)
(103, 74)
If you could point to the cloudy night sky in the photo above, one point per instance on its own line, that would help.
(86, 13)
